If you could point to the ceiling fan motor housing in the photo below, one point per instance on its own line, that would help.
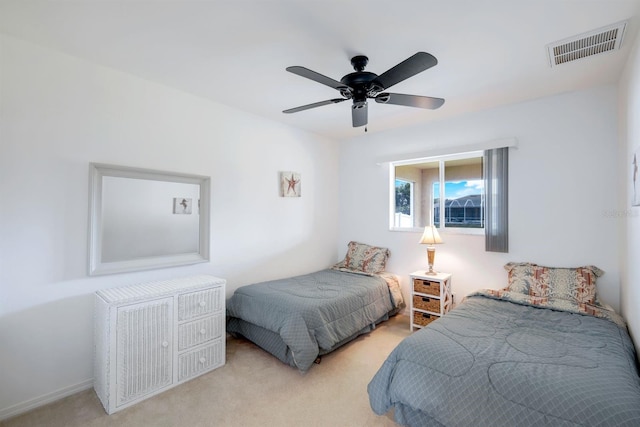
(362, 84)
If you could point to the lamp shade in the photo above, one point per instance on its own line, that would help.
(430, 236)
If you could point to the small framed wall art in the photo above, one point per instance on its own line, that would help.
(290, 184)
(182, 205)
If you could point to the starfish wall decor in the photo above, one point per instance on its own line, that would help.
(290, 184)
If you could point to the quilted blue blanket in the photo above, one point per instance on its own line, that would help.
(491, 362)
(299, 318)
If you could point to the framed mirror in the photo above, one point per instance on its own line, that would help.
(142, 219)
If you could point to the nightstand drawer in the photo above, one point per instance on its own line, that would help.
(426, 287)
(426, 303)
(423, 319)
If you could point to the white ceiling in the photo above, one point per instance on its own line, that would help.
(490, 52)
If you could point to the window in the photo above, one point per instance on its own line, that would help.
(455, 179)
(461, 191)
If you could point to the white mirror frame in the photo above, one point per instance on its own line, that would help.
(96, 266)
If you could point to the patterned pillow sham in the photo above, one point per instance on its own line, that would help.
(572, 284)
(365, 258)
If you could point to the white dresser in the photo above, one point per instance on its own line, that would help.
(153, 336)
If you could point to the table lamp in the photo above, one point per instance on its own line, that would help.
(431, 237)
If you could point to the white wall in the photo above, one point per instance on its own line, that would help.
(562, 190)
(629, 216)
(57, 114)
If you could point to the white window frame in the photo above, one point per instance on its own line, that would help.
(442, 159)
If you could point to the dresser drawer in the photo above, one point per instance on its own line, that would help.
(426, 287)
(423, 319)
(199, 331)
(426, 303)
(200, 303)
(201, 360)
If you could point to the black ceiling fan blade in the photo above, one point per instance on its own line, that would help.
(409, 67)
(314, 105)
(359, 116)
(409, 100)
(316, 77)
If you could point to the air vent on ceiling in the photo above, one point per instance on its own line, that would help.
(587, 44)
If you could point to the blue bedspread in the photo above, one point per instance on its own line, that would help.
(310, 314)
(496, 363)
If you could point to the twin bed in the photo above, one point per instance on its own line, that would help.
(301, 318)
(542, 351)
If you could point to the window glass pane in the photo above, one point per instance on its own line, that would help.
(404, 212)
(464, 193)
(421, 177)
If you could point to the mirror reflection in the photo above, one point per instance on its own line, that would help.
(142, 219)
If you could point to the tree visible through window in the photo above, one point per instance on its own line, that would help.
(404, 204)
(403, 197)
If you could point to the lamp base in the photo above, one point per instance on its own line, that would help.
(431, 254)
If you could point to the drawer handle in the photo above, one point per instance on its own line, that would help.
(202, 303)
(203, 331)
(165, 344)
(426, 316)
(425, 299)
(202, 360)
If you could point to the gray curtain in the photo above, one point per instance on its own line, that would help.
(496, 184)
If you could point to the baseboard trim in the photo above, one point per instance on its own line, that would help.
(23, 407)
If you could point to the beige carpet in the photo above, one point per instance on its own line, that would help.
(252, 389)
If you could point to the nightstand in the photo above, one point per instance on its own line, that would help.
(430, 297)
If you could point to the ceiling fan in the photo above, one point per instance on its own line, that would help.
(362, 85)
